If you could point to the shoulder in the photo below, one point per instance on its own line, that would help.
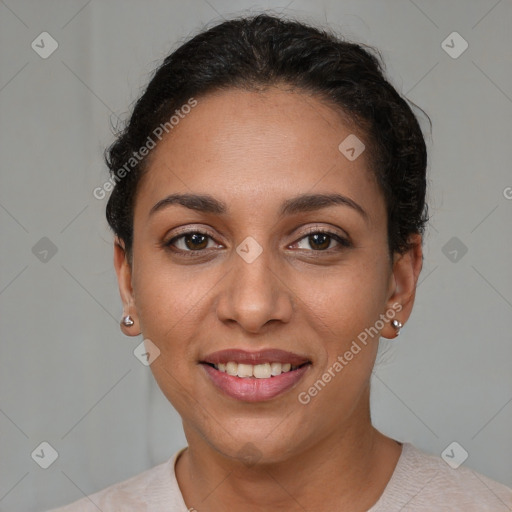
(142, 493)
(424, 482)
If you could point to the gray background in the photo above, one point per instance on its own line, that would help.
(67, 374)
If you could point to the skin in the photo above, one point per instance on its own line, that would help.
(254, 150)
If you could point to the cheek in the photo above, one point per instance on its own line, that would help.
(174, 306)
(344, 306)
(164, 302)
(162, 293)
(346, 300)
(168, 305)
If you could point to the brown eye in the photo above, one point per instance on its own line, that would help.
(190, 242)
(320, 241)
(196, 241)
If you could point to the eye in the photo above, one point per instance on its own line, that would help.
(191, 241)
(320, 240)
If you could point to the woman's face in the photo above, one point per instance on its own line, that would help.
(246, 267)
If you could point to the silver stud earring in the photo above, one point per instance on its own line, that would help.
(127, 321)
(397, 325)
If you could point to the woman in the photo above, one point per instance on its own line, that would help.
(269, 207)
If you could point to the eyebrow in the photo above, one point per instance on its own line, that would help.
(303, 203)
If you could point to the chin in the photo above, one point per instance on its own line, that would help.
(254, 447)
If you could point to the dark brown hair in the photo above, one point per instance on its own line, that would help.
(264, 50)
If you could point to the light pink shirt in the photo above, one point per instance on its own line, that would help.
(420, 483)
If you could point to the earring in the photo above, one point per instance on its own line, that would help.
(127, 321)
(397, 325)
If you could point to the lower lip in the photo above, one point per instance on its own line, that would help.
(250, 389)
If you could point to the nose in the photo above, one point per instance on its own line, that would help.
(254, 293)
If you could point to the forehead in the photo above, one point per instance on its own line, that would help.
(259, 148)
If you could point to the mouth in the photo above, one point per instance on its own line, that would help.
(254, 376)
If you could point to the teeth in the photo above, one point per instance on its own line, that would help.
(244, 370)
(275, 368)
(259, 371)
(231, 368)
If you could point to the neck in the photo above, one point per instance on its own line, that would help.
(350, 468)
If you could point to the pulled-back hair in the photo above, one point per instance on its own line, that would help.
(264, 50)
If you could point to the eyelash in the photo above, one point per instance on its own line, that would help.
(343, 242)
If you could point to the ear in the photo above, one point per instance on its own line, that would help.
(124, 280)
(402, 286)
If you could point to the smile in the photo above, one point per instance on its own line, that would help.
(254, 376)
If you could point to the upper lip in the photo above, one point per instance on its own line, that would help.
(261, 356)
